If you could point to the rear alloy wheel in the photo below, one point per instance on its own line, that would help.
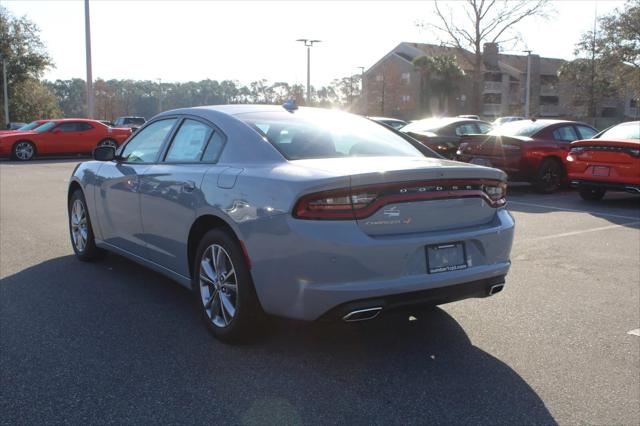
(24, 151)
(590, 193)
(80, 230)
(108, 142)
(550, 175)
(223, 286)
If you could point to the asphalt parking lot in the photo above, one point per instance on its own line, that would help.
(111, 342)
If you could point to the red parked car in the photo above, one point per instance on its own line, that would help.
(63, 136)
(527, 150)
(609, 161)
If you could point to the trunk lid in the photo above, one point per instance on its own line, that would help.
(416, 194)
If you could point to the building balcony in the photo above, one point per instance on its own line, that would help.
(491, 109)
(549, 110)
(492, 87)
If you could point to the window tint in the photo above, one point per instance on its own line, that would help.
(146, 144)
(586, 132)
(483, 127)
(565, 133)
(68, 127)
(465, 129)
(189, 142)
(214, 148)
(81, 127)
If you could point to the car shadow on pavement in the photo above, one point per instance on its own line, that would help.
(114, 342)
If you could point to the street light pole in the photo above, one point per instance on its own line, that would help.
(309, 44)
(5, 92)
(528, 89)
(362, 93)
(159, 95)
(87, 31)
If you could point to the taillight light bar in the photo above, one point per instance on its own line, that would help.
(361, 202)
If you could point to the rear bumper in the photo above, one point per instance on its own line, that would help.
(633, 188)
(423, 298)
(303, 269)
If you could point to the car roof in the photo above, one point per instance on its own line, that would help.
(63, 120)
(387, 118)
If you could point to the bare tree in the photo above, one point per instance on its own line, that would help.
(487, 21)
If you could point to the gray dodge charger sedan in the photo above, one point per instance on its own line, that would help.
(298, 212)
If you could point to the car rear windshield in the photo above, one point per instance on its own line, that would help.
(426, 125)
(629, 130)
(326, 134)
(518, 128)
(134, 120)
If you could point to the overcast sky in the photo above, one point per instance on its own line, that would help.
(245, 41)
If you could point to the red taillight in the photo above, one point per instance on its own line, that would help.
(362, 202)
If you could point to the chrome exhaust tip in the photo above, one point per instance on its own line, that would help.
(362, 314)
(495, 289)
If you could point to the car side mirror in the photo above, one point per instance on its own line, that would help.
(104, 153)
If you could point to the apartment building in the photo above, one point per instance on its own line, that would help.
(392, 86)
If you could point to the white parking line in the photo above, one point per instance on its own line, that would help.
(584, 231)
(635, 332)
(544, 206)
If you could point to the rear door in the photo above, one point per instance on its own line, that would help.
(170, 191)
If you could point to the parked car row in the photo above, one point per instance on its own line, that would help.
(60, 136)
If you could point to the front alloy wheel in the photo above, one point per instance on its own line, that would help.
(24, 151)
(78, 225)
(218, 286)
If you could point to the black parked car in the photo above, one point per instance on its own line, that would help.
(443, 134)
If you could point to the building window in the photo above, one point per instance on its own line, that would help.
(405, 98)
(405, 77)
(633, 103)
(550, 79)
(549, 100)
(609, 112)
(379, 77)
(492, 98)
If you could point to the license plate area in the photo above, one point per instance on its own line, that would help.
(600, 171)
(446, 257)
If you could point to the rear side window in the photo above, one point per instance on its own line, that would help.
(83, 126)
(214, 148)
(565, 133)
(189, 142)
(586, 132)
(146, 144)
(68, 127)
(465, 129)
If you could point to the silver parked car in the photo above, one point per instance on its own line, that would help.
(302, 213)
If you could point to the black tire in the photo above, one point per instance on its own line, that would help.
(248, 312)
(549, 177)
(23, 151)
(108, 142)
(589, 193)
(88, 251)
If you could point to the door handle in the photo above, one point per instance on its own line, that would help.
(189, 186)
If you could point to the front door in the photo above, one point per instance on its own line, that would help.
(118, 200)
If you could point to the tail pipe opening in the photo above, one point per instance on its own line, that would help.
(362, 314)
(495, 289)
